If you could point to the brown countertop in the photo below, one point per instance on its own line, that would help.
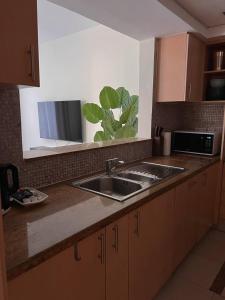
(32, 235)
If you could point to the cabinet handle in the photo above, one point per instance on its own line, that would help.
(101, 256)
(115, 245)
(31, 52)
(189, 93)
(76, 252)
(137, 229)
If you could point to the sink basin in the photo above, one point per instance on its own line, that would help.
(113, 187)
(128, 182)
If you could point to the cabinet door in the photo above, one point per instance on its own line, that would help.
(195, 68)
(171, 71)
(186, 219)
(151, 246)
(76, 273)
(3, 285)
(182, 225)
(202, 198)
(117, 259)
(213, 192)
(19, 43)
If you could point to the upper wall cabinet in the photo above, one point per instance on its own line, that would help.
(19, 43)
(180, 63)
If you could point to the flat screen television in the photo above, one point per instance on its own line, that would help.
(60, 120)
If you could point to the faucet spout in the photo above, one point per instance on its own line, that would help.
(111, 164)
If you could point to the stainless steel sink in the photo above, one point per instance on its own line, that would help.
(111, 186)
(129, 182)
(137, 177)
(153, 171)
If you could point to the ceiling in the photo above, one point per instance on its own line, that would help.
(140, 19)
(209, 13)
(55, 21)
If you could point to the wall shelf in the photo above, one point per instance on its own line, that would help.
(215, 72)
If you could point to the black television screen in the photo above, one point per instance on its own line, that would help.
(60, 120)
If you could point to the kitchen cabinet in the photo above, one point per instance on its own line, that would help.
(132, 257)
(95, 268)
(222, 205)
(3, 283)
(117, 260)
(19, 43)
(179, 68)
(76, 273)
(186, 210)
(151, 246)
(194, 211)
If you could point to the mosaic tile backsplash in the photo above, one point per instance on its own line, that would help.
(48, 170)
(189, 116)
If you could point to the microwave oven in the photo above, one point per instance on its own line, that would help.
(203, 143)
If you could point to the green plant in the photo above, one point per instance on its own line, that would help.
(127, 124)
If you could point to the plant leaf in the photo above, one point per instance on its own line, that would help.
(109, 98)
(107, 126)
(92, 112)
(125, 132)
(124, 95)
(135, 125)
(101, 136)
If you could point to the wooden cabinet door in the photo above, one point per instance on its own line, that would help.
(195, 68)
(202, 205)
(222, 206)
(151, 246)
(172, 53)
(207, 196)
(213, 192)
(3, 284)
(76, 273)
(117, 260)
(186, 218)
(19, 43)
(182, 225)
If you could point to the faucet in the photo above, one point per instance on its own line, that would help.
(111, 164)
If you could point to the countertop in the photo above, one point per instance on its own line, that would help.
(32, 235)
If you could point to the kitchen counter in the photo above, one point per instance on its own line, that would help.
(32, 235)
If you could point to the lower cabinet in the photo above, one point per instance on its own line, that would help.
(117, 260)
(151, 246)
(131, 258)
(95, 268)
(194, 211)
(76, 273)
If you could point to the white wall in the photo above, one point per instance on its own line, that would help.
(147, 55)
(77, 67)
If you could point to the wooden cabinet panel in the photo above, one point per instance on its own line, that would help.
(182, 225)
(194, 211)
(3, 285)
(179, 68)
(19, 43)
(151, 246)
(117, 259)
(188, 218)
(64, 277)
(222, 206)
(171, 68)
(195, 68)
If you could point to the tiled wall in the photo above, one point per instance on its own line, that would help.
(48, 170)
(189, 116)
